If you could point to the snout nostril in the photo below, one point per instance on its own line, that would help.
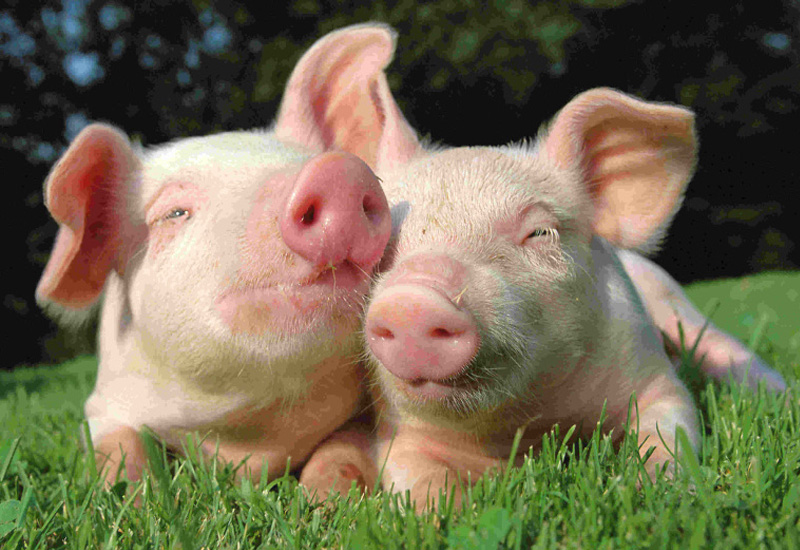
(371, 208)
(308, 215)
(441, 333)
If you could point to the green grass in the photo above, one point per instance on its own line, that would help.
(742, 492)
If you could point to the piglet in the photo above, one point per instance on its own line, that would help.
(506, 300)
(520, 314)
(230, 272)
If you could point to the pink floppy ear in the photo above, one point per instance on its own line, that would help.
(338, 98)
(636, 159)
(81, 193)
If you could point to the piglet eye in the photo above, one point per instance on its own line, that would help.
(549, 233)
(176, 213)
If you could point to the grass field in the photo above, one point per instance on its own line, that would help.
(743, 491)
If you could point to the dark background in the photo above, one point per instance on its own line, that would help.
(466, 73)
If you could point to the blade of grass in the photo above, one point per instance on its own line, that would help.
(111, 543)
(10, 448)
(90, 456)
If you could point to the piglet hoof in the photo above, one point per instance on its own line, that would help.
(430, 492)
(330, 479)
(121, 454)
(340, 461)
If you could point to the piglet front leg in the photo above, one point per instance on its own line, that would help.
(118, 449)
(343, 458)
(429, 460)
(663, 406)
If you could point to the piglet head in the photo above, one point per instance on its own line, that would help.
(494, 291)
(228, 238)
(231, 251)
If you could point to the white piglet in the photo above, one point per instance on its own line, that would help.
(516, 311)
(231, 271)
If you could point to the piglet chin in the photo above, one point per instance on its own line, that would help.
(326, 300)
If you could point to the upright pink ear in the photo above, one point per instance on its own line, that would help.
(338, 98)
(636, 159)
(81, 193)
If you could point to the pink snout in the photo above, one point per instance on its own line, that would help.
(337, 212)
(419, 334)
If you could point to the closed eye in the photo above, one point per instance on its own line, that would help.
(548, 232)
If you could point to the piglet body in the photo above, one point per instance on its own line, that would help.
(232, 270)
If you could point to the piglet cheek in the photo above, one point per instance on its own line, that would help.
(263, 252)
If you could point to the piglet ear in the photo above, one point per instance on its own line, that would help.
(338, 98)
(635, 157)
(81, 193)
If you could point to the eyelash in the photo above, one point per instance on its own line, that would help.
(550, 232)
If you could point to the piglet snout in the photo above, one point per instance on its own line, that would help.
(419, 334)
(337, 212)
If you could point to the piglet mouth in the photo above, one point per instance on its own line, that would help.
(344, 276)
(329, 295)
(424, 389)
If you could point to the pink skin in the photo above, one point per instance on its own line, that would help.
(719, 354)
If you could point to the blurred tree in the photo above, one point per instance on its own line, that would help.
(466, 72)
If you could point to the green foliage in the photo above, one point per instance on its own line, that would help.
(463, 39)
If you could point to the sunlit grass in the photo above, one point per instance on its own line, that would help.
(743, 491)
